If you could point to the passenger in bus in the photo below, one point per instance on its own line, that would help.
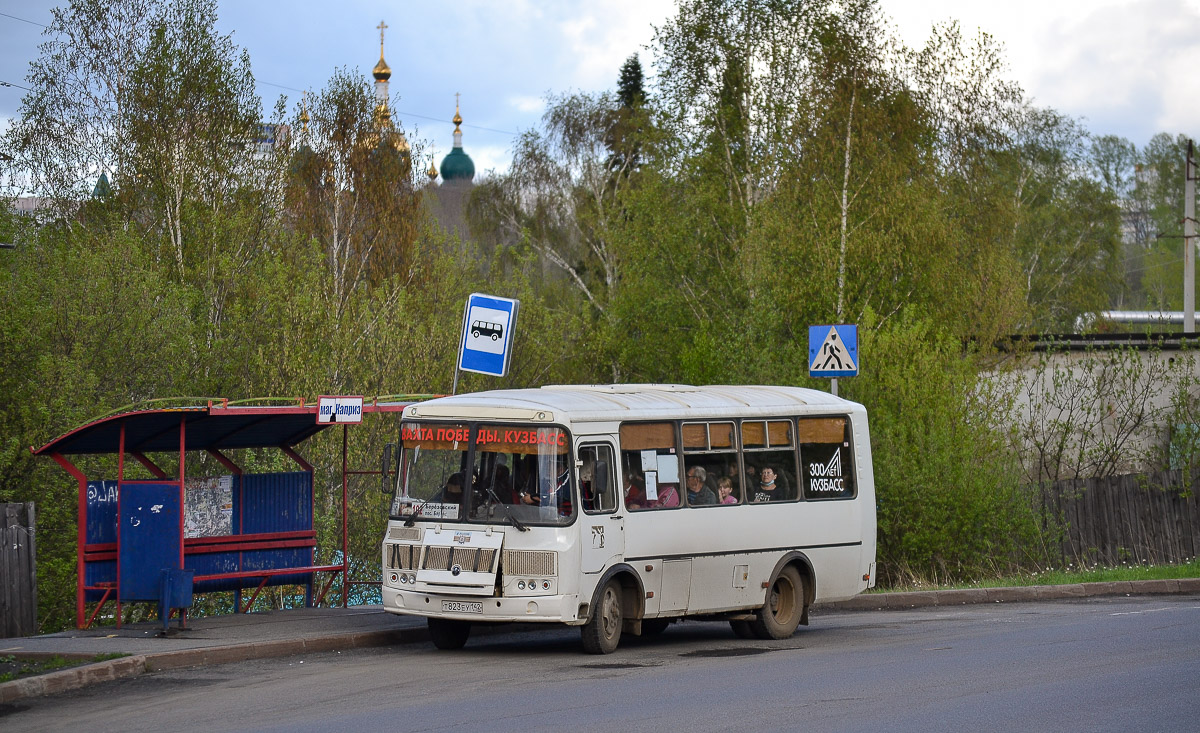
(698, 494)
(770, 488)
(635, 494)
(668, 496)
(452, 492)
(554, 493)
(725, 491)
(635, 490)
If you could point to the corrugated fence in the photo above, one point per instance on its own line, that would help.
(18, 571)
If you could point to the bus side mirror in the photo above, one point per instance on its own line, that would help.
(600, 485)
(385, 467)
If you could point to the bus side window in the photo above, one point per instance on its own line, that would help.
(597, 484)
(650, 463)
(826, 461)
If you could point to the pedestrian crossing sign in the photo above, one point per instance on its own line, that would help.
(833, 351)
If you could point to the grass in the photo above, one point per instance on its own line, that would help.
(1064, 576)
(13, 667)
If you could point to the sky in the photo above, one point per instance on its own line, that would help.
(1124, 67)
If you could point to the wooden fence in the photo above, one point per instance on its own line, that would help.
(1143, 518)
(18, 571)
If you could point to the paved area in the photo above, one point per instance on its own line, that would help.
(239, 637)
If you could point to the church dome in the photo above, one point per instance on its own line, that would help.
(457, 166)
(381, 72)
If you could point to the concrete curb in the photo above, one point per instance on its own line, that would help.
(72, 679)
(926, 599)
(131, 666)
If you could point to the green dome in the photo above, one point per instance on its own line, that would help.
(457, 166)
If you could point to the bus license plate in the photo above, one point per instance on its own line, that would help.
(462, 606)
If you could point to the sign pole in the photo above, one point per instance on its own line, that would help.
(833, 386)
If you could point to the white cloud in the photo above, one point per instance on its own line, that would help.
(490, 158)
(601, 35)
(526, 103)
(1134, 62)
(1125, 65)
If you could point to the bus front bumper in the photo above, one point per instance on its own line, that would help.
(549, 608)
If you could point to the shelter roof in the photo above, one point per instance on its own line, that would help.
(208, 427)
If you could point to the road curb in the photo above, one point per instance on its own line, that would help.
(131, 666)
(73, 679)
(965, 596)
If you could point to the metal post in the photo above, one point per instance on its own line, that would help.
(1189, 245)
(833, 386)
(345, 525)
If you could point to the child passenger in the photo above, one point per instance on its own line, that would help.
(725, 491)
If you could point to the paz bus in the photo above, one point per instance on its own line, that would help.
(624, 508)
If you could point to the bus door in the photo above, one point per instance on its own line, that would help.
(602, 521)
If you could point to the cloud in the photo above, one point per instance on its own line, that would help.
(488, 158)
(599, 36)
(527, 104)
(1130, 67)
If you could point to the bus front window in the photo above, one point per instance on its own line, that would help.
(515, 474)
(434, 482)
(524, 474)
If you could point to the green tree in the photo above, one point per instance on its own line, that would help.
(1159, 193)
(350, 186)
(72, 125)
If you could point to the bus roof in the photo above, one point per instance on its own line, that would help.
(632, 402)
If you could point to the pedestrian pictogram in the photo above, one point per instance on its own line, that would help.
(833, 351)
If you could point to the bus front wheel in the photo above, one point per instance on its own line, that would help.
(448, 633)
(602, 632)
(780, 615)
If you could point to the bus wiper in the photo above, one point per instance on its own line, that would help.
(515, 522)
(412, 518)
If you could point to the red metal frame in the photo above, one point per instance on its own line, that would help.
(279, 540)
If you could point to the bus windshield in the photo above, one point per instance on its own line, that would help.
(485, 473)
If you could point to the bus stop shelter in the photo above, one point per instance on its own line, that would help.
(231, 532)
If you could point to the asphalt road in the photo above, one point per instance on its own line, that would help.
(1098, 664)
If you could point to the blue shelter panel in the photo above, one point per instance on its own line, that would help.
(101, 571)
(276, 502)
(101, 512)
(150, 537)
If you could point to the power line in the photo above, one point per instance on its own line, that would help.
(23, 20)
(17, 86)
(402, 112)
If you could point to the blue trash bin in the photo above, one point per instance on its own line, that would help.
(175, 591)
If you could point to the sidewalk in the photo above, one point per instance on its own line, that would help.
(240, 637)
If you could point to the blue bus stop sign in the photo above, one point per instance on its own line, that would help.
(487, 337)
(833, 351)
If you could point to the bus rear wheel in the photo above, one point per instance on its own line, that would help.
(780, 615)
(602, 632)
(448, 633)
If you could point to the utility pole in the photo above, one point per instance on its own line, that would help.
(1189, 244)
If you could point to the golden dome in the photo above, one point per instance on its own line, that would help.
(382, 72)
(433, 171)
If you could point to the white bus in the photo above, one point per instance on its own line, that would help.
(623, 508)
